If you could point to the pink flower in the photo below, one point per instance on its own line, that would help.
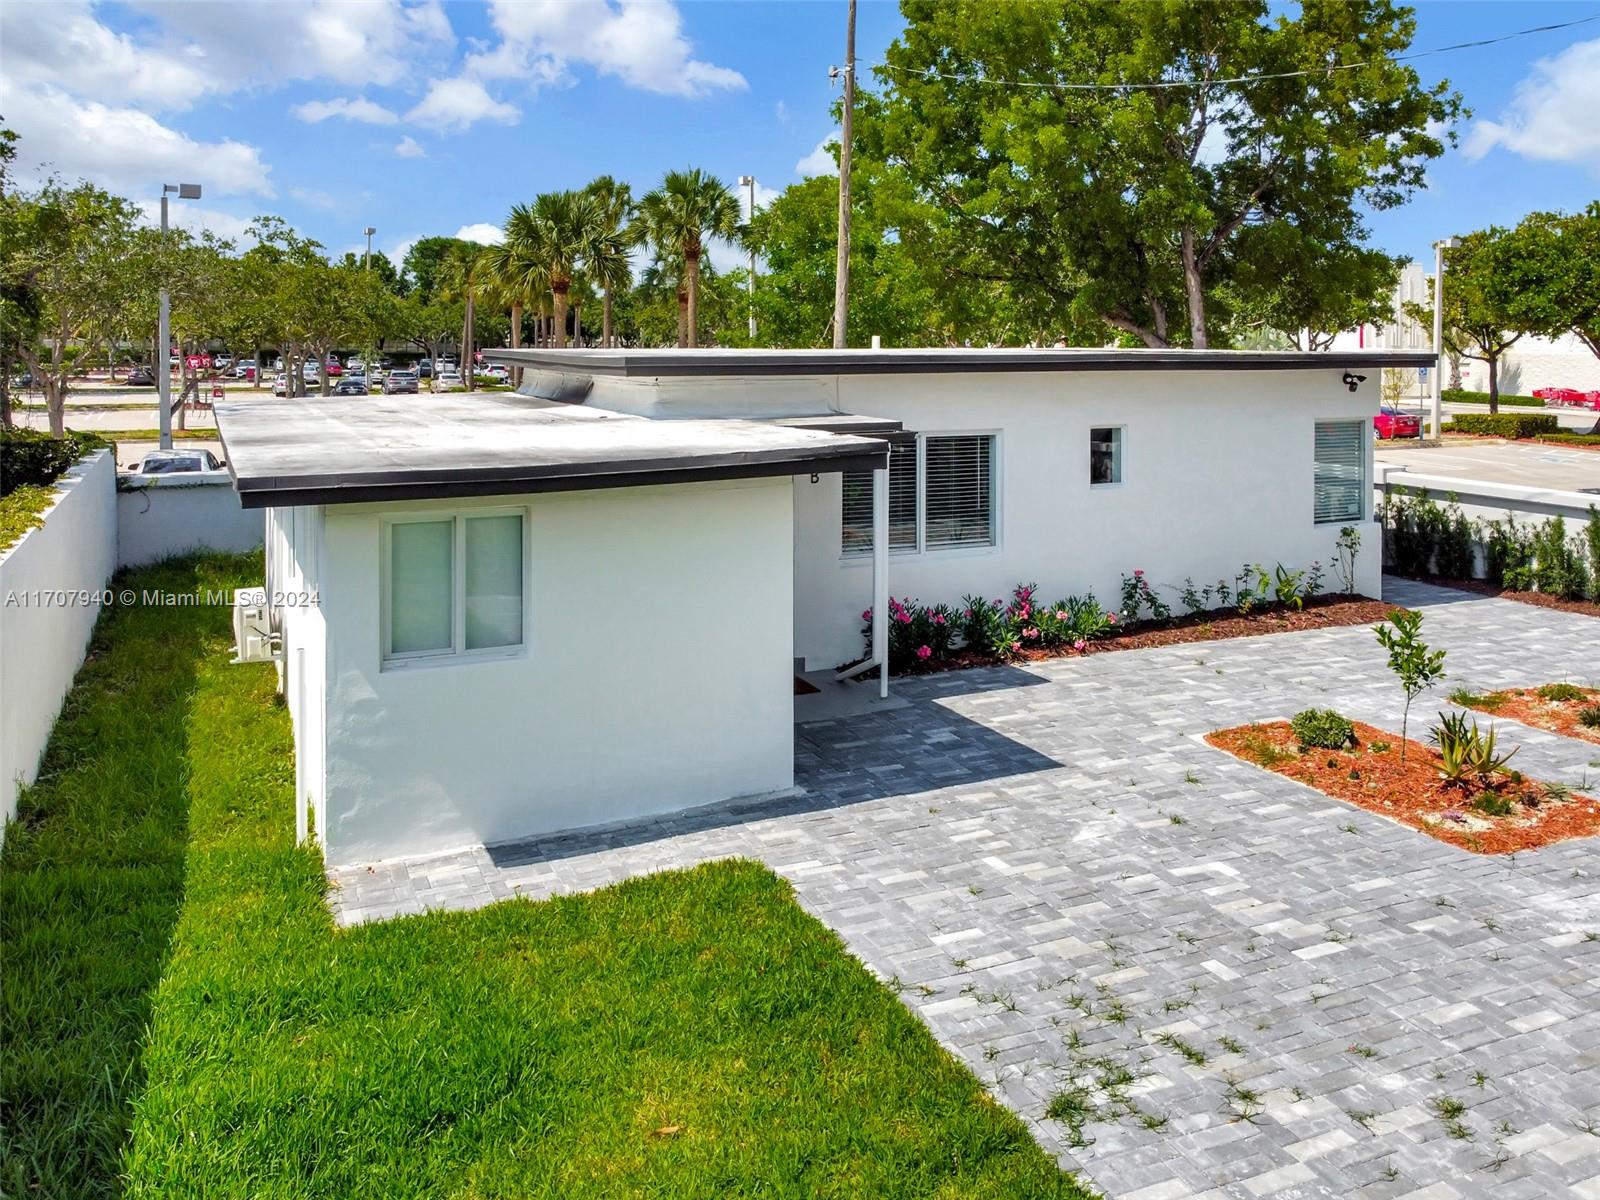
(1061, 615)
(1024, 611)
(1112, 617)
(867, 615)
(967, 612)
(938, 618)
(997, 604)
(1137, 573)
(903, 617)
(1080, 645)
(924, 652)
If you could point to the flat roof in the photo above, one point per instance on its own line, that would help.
(355, 449)
(702, 363)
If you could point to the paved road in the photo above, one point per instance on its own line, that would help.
(1069, 884)
(1565, 468)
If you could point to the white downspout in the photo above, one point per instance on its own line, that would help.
(880, 576)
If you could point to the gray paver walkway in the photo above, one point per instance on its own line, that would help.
(1058, 872)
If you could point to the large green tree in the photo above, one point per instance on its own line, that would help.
(63, 248)
(675, 218)
(551, 240)
(427, 262)
(608, 264)
(1130, 162)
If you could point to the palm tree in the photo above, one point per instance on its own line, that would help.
(466, 278)
(557, 233)
(516, 284)
(609, 266)
(677, 217)
(581, 295)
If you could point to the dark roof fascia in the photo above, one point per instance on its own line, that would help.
(646, 364)
(435, 485)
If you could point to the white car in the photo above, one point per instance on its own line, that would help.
(179, 462)
(496, 372)
(356, 366)
(222, 361)
(449, 381)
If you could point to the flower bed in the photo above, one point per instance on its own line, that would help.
(981, 632)
(1491, 815)
(1559, 707)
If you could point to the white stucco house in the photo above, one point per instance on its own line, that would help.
(502, 615)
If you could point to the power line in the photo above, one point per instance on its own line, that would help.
(1242, 79)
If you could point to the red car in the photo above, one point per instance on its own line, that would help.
(335, 368)
(1391, 422)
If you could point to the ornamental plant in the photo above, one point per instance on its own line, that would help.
(1416, 666)
(1322, 728)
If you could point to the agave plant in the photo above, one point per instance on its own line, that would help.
(1452, 735)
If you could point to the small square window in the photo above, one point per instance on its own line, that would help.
(454, 586)
(1105, 456)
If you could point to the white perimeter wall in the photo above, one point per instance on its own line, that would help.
(657, 675)
(42, 644)
(296, 554)
(1217, 472)
(170, 515)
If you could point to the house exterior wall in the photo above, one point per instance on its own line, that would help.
(1217, 472)
(295, 562)
(656, 674)
(43, 631)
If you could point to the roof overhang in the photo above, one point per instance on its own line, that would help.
(362, 450)
(640, 364)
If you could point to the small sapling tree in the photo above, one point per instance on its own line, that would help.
(1416, 666)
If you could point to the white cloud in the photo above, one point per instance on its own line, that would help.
(314, 197)
(409, 147)
(820, 161)
(122, 148)
(781, 111)
(459, 104)
(351, 108)
(482, 232)
(195, 218)
(640, 42)
(1551, 118)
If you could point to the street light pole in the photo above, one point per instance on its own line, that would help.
(366, 266)
(749, 181)
(186, 191)
(1436, 402)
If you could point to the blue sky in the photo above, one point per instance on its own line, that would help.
(426, 118)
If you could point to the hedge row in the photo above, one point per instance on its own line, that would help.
(33, 457)
(1568, 438)
(1511, 425)
(1461, 396)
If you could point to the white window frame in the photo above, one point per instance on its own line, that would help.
(996, 503)
(457, 651)
(1364, 490)
(1120, 460)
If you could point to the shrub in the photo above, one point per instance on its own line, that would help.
(21, 510)
(1559, 568)
(1567, 437)
(1508, 555)
(31, 456)
(1561, 691)
(1322, 727)
(1493, 805)
(1138, 595)
(1589, 716)
(1510, 425)
(1462, 396)
(1591, 539)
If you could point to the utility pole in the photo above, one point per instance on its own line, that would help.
(1435, 404)
(841, 274)
(372, 351)
(749, 181)
(186, 191)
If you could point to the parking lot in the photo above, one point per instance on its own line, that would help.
(1540, 465)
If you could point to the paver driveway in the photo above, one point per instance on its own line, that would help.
(1074, 890)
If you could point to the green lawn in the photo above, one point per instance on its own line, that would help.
(182, 1019)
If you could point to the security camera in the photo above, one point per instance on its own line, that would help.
(1351, 380)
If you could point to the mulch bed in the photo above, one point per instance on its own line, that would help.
(1587, 608)
(1415, 793)
(1527, 706)
(1320, 612)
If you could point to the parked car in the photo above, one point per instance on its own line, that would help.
(280, 384)
(245, 368)
(356, 366)
(179, 462)
(449, 381)
(424, 368)
(351, 385)
(496, 372)
(334, 369)
(400, 381)
(309, 372)
(223, 361)
(1392, 422)
(140, 377)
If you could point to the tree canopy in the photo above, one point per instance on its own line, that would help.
(1052, 164)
